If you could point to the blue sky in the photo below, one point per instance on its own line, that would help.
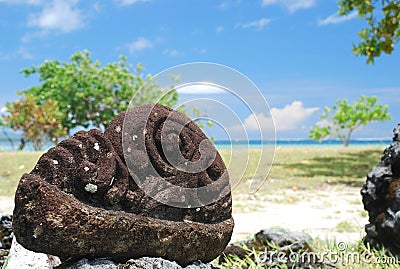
(297, 52)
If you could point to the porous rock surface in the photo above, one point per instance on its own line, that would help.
(81, 201)
(20, 257)
(279, 249)
(6, 236)
(141, 263)
(6, 232)
(381, 198)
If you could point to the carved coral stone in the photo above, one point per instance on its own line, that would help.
(83, 200)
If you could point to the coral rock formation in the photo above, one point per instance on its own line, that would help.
(381, 198)
(93, 195)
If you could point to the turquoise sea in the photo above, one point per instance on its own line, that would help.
(6, 145)
(303, 143)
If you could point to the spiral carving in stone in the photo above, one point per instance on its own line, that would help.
(151, 185)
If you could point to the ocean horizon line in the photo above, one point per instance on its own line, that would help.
(5, 144)
(305, 141)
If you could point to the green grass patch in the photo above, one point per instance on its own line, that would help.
(346, 227)
(339, 254)
(334, 165)
(12, 166)
(363, 213)
(307, 168)
(293, 168)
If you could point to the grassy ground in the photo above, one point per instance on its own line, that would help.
(354, 256)
(295, 168)
(310, 168)
(12, 166)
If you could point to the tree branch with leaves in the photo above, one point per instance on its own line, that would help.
(89, 94)
(344, 118)
(39, 123)
(383, 31)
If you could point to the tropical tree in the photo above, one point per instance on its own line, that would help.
(344, 118)
(383, 31)
(89, 94)
(39, 123)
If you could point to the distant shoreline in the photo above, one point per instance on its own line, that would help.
(252, 144)
(303, 143)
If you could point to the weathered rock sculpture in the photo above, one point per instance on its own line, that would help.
(381, 198)
(90, 196)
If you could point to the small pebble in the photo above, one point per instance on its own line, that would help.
(92, 188)
(96, 146)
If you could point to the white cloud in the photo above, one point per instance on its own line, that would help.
(229, 4)
(323, 123)
(335, 18)
(5, 56)
(205, 88)
(140, 44)
(3, 110)
(18, 53)
(97, 7)
(27, 2)
(29, 36)
(129, 2)
(58, 15)
(291, 5)
(172, 52)
(258, 24)
(219, 29)
(256, 121)
(288, 118)
(24, 53)
(223, 5)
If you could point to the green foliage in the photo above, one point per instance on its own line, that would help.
(89, 94)
(383, 31)
(250, 261)
(346, 227)
(343, 118)
(201, 120)
(12, 166)
(39, 123)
